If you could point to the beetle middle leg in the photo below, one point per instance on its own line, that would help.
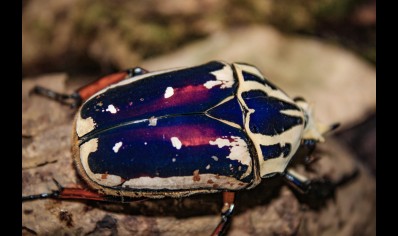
(76, 98)
(226, 213)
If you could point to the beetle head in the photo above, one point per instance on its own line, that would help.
(312, 129)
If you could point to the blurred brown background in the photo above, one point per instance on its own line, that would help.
(87, 36)
(323, 50)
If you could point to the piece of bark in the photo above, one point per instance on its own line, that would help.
(269, 209)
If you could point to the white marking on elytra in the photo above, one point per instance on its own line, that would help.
(112, 109)
(145, 143)
(184, 182)
(117, 146)
(214, 158)
(220, 142)
(169, 92)
(85, 150)
(208, 167)
(238, 149)
(176, 143)
(173, 159)
(210, 84)
(224, 77)
(84, 126)
(153, 121)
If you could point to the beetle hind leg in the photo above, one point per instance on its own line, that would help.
(78, 194)
(66, 193)
(226, 214)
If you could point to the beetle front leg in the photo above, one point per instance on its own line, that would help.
(226, 213)
(316, 192)
(320, 188)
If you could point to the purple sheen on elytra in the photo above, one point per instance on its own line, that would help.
(170, 93)
(150, 151)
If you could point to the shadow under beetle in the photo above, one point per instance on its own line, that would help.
(216, 127)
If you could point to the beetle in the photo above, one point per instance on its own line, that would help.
(215, 127)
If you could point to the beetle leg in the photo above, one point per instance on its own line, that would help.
(226, 213)
(316, 192)
(310, 160)
(78, 193)
(136, 71)
(309, 144)
(75, 99)
(320, 188)
(90, 89)
(66, 193)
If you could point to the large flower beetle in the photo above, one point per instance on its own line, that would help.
(216, 127)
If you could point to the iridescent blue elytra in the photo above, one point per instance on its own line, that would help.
(211, 127)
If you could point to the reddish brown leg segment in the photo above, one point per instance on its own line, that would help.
(79, 194)
(90, 89)
(67, 193)
(226, 213)
(75, 99)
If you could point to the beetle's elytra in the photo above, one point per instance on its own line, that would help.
(209, 128)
